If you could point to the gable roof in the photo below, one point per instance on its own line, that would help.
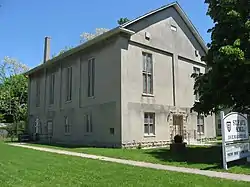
(183, 16)
(124, 29)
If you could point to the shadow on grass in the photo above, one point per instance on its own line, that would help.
(203, 156)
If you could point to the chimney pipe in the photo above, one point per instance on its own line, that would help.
(46, 49)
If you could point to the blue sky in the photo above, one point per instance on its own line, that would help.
(25, 23)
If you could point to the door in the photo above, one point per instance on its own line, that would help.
(178, 125)
(50, 128)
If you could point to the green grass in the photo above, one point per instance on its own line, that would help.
(23, 167)
(200, 157)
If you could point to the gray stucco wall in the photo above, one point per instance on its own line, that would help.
(104, 106)
(118, 102)
(174, 57)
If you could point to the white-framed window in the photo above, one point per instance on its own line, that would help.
(66, 125)
(147, 73)
(200, 124)
(149, 124)
(88, 122)
(197, 71)
(38, 90)
(91, 77)
(50, 127)
(51, 88)
(69, 84)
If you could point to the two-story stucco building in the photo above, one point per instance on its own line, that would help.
(131, 85)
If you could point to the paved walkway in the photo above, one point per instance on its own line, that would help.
(239, 177)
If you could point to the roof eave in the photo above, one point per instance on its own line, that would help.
(191, 26)
(177, 6)
(81, 47)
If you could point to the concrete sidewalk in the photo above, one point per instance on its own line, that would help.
(239, 177)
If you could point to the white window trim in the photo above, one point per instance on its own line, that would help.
(147, 93)
(88, 116)
(68, 126)
(50, 130)
(91, 78)
(200, 133)
(194, 71)
(148, 124)
(38, 92)
(69, 84)
(52, 88)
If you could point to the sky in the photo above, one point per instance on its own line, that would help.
(25, 23)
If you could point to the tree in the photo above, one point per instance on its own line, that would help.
(13, 101)
(226, 83)
(13, 93)
(66, 48)
(11, 66)
(121, 21)
(13, 98)
(85, 36)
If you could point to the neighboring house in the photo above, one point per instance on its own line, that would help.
(131, 85)
(3, 132)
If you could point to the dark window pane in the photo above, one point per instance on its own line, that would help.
(144, 83)
(146, 129)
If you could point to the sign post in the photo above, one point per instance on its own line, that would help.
(235, 137)
(223, 140)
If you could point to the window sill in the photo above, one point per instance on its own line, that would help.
(88, 133)
(149, 135)
(91, 97)
(147, 95)
(200, 133)
(69, 101)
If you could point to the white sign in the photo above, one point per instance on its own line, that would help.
(237, 151)
(234, 133)
(235, 127)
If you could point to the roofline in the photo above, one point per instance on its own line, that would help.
(184, 16)
(148, 14)
(123, 29)
(191, 26)
(81, 47)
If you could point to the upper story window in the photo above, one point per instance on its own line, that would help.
(51, 88)
(196, 71)
(91, 77)
(147, 73)
(69, 84)
(38, 89)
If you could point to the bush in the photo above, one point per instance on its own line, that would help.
(178, 139)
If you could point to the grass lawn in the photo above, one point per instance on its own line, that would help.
(25, 167)
(200, 157)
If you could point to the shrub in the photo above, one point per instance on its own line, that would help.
(139, 146)
(178, 139)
